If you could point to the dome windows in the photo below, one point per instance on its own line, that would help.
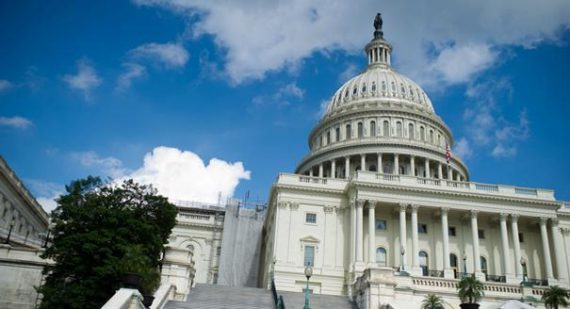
(372, 128)
(363, 87)
(373, 86)
(354, 91)
(386, 128)
(403, 90)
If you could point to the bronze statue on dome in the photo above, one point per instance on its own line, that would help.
(378, 34)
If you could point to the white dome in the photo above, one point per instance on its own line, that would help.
(380, 83)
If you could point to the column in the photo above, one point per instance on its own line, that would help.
(475, 235)
(439, 171)
(311, 172)
(457, 176)
(396, 164)
(359, 230)
(333, 169)
(427, 167)
(371, 233)
(413, 166)
(546, 249)
(558, 251)
(516, 246)
(352, 233)
(363, 162)
(415, 241)
(402, 236)
(380, 170)
(321, 170)
(447, 272)
(347, 167)
(507, 269)
(449, 172)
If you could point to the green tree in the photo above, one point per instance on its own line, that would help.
(555, 296)
(102, 232)
(432, 301)
(470, 289)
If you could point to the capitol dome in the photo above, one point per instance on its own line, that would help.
(381, 121)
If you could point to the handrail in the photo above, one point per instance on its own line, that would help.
(164, 293)
(278, 299)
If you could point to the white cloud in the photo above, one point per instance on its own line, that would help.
(132, 71)
(168, 55)
(263, 36)
(85, 80)
(15, 122)
(5, 85)
(348, 73)
(183, 175)
(110, 166)
(46, 193)
(322, 109)
(462, 148)
(282, 96)
(290, 90)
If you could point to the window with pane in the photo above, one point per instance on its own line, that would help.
(451, 231)
(381, 256)
(386, 128)
(360, 130)
(309, 256)
(381, 224)
(422, 134)
(337, 135)
(453, 263)
(481, 234)
(399, 129)
(372, 128)
(311, 217)
(411, 131)
(422, 228)
(424, 263)
(484, 265)
(348, 131)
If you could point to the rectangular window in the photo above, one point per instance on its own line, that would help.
(521, 237)
(452, 231)
(219, 250)
(311, 217)
(481, 234)
(381, 224)
(422, 228)
(309, 256)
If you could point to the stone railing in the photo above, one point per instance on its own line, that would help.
(125, 299)
(164, 293)
(316, 182)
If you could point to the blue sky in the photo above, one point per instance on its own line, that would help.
(91, 87)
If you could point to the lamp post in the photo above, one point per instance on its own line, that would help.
(464, 264)
(10, 231)
(308, 274)
(402, 252)
(523, 264)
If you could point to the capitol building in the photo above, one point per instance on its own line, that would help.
(385, 214)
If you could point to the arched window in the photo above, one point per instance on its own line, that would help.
(399, 129)
(422, 134)
(484, 265)
(364, 88)
(360, 130)
(386, 128)
(439, 140)
(337, 135)
(381, 256)
(431, 136)
(424, 263)
(348, 133)
(373, 86)
(411, 131)
(453, 264)
(402, 170)
(372, 128)
(328, 137)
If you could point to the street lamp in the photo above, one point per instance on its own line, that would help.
(402, 252)
(523, 263)
(464, 264)
(308, 274)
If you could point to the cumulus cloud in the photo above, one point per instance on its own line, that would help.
(282, 97)
(487, 126)
(131, 72)
(85, 80)
(5, 85)
(15, 122)
(183, 175)
(462, 148)
(110, 166)
(264, 36)
(168, 55)
(46, 192)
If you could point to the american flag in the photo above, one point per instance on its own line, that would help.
(447, 153)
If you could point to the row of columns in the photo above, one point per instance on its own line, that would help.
(357, 246)
(451, 173)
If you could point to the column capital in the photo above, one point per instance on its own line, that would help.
(414, 207)
(371, 204)
(282, 204)
(360, 203)
(403, 206)
(543, 220)
(294, 206)
(474, 213)
(444, 210)
(554, 221)
(514, 217)
(503, 216)
(328, 209)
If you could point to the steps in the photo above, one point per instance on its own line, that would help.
(206, 296)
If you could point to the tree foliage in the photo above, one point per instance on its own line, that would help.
(470, 289)
(555, 296)
(432, 301)
(100, 233)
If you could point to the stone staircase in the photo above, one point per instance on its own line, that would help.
(206, 296)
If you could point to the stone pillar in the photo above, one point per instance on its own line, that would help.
(516, 247)
(363, 162)
(449, 172)
(546, 249)
(415, 241)
(413, 166)
(347, 167)
(475, 235)
(559, 252)
(403, 235)
(396, 164)
(427, 167)
(380, 170)
(371, 234)
(447, 271)
(333, 169)
(352, 233)
(359, 230)
(311, 172)
(321, 170)
(457, 176)
(507, 269)
(439, 171)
